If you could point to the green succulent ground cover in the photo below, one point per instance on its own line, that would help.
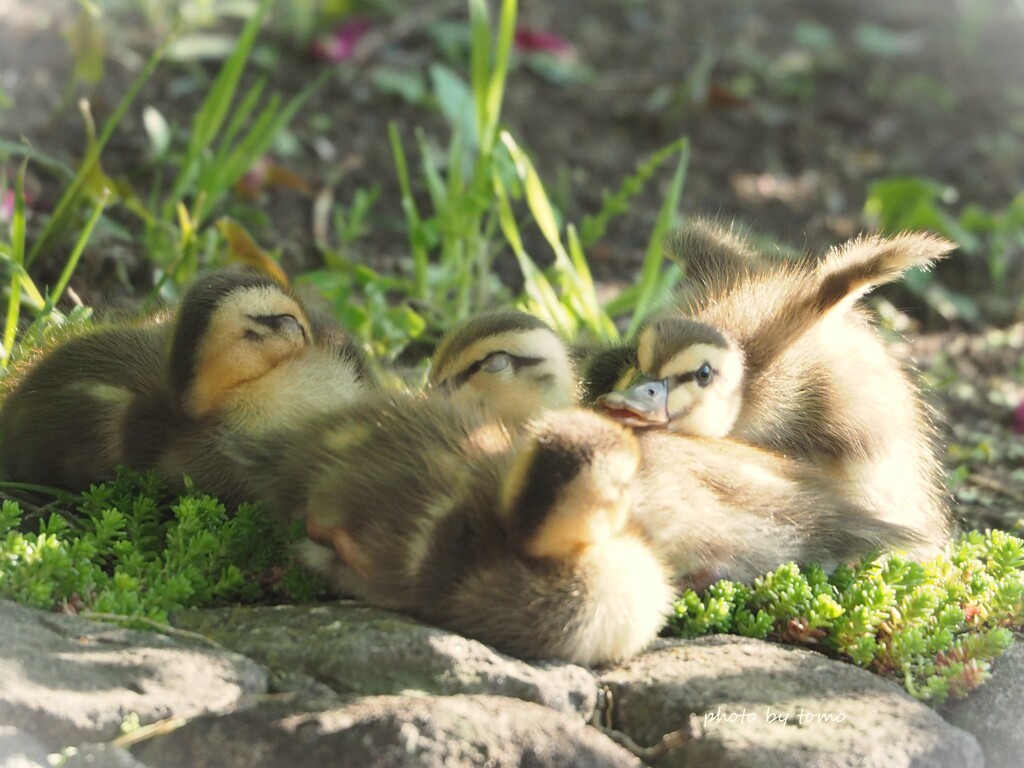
(934, 626)
(132, 548)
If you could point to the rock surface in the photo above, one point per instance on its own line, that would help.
(392, 732)
(355, 649)
(994, 712)
(760, 704)
(344, 684)
(64, 680)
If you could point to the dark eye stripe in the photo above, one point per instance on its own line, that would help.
(682, 378)
(465, 375)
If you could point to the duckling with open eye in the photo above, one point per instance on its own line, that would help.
(240, 354)
(777, 354)
(721, 508)
(431, 507)
(510, 361)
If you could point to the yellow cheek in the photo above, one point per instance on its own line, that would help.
(679, 399)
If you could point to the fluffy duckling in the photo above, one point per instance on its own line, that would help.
(718, 508)
(777, 354)
(240, 355)
(510, 361)
(428, 506)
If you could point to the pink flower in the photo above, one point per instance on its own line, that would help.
(7, 206)
(340, 45)
(1018, 418)
(529, 40)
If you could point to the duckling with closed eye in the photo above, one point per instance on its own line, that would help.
(777, 354)
(508, 360)
(431, 507)
(245, 358)
(240, 354)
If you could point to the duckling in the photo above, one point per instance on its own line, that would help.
(509, 360)
(245, 358)
(778, 355)
(239, 355)
(431, 507)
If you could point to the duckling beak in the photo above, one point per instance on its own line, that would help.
(642, 404)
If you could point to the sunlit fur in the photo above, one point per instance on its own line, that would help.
(709, 508)
(719, 508)
(492, 544)
(539, 376)
(239, 354)
(819, 383)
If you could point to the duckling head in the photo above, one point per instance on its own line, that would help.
(508, 361)
(688, 378)
(234, 326)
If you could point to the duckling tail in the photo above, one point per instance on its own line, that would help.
(851, 270)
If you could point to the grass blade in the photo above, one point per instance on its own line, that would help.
(76, 253)
(215, 106)
(93, 154)
(417, 241)
(499, 74)
(650, 276)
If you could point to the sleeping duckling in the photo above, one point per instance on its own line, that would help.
(777, 354)
(245, 358)
(477, 361)
(240, 355)
(429, 506)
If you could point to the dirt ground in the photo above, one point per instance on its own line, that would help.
(792, 106)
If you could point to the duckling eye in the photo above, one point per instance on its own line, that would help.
(496, 362)
(283, 324)
(704, 375)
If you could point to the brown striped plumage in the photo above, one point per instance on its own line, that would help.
(239, 354)
(809, 377)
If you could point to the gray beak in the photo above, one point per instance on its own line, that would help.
(644, 403)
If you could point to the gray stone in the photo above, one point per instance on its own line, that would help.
(100, 756)
(751, 703)
(20, 750)
(994, 712)
(65, 680)
(356, 649)
(389, 732)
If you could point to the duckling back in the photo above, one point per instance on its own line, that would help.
(720, 508)
(65, 421)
